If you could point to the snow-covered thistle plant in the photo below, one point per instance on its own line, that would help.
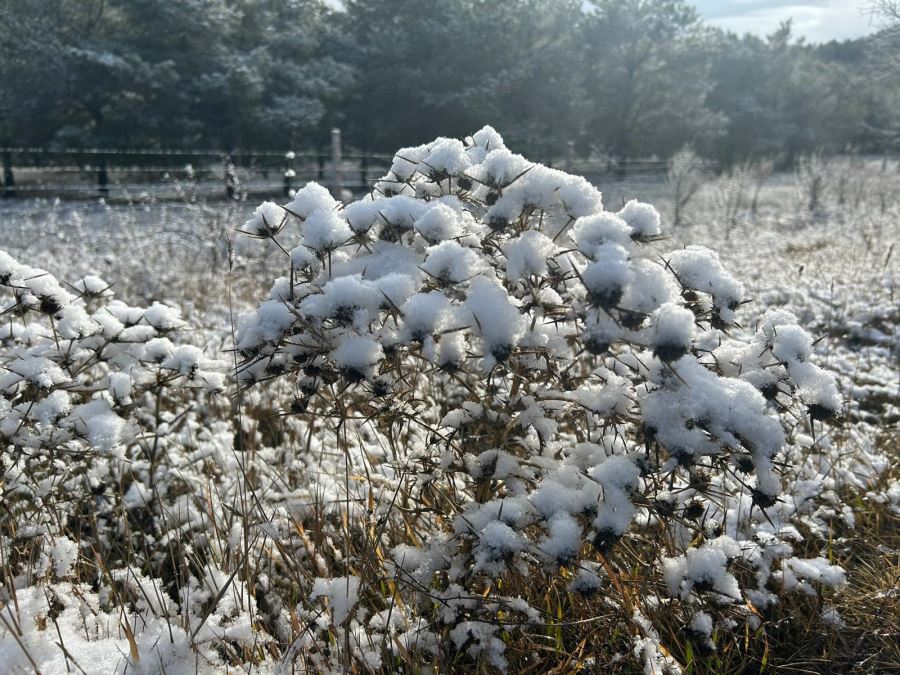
(549, 394)
(93, 393)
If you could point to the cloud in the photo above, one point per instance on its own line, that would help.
(816, 20)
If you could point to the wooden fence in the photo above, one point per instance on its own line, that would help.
(126, 174)
(130, 173)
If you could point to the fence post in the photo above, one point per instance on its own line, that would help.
(232, 183)
(289, 174)
(336, 169)
(103, 177)
(9, 181)
(364, 171)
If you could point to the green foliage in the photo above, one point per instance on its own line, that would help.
(647, 77)
(782, 96)
(625, 78)
(428, 69)
(147, 72)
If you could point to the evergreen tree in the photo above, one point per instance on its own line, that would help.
(647, 77)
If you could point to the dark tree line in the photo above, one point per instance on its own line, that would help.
(624, 78)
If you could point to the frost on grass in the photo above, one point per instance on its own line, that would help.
(469, 389)
(93, 394)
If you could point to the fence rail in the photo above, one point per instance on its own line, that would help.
(123, 173)
(171, 173)
(163, 152)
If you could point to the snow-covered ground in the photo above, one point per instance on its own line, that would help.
(838, 272)
(322, 504)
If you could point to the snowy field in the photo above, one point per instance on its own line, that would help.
(372, 509)
(837, 271)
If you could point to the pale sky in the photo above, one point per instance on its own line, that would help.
(816, 20)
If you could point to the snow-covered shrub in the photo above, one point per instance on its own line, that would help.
(685, 176)
(78, 364)
(813, 173)
(543, 388)
(730, 191)
(99, 401)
